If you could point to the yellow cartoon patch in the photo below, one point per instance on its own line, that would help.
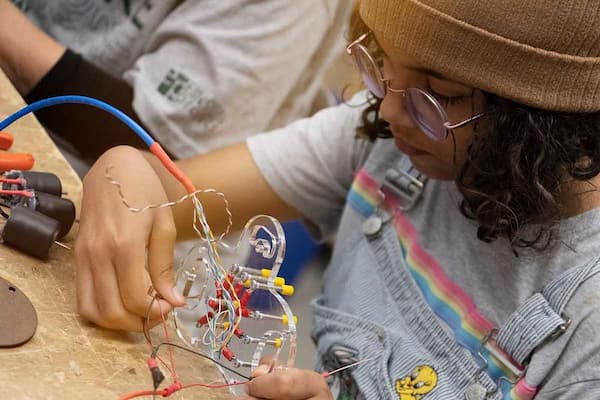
(421, 381)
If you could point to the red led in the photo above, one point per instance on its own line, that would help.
(205, 318)
(246, 312)
(228, 354)
(238, 288)
(227, 282)
(245, 298)
(214, 304)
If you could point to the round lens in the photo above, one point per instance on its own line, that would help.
(427, 113)
(368, 71)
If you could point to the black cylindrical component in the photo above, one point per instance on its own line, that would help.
(30, 231)
(62, 210)
(43, 182)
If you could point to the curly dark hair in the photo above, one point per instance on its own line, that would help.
(516, 165)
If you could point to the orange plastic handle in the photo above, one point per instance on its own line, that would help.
(23, 161)
(6, 140)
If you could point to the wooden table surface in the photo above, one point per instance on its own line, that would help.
(67, 357)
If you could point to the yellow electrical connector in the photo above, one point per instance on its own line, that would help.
(279, 281)
(287, 290)
(277, 343)
(285, 320)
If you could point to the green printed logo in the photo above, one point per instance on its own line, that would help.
(135, 14)
(174, 86)
(179, 88)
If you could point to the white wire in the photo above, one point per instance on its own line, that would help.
(197, 205)
(202, 229)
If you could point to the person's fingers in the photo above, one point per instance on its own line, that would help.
(292, 384)
(86, 296)
(133, 282)
(241, 398)
(108, 298)
(262, 369)
(160, 257)
(154, 322)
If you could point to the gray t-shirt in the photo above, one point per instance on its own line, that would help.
(205, 73)
(311, 163)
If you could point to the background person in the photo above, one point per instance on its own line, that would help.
(199, 74)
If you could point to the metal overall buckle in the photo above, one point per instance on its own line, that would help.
(477, 391)
(515, 368)
(562, 328)
(407, 187)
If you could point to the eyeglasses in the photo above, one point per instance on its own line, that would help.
(424, 109)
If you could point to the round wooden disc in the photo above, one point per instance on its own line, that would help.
(18, 319)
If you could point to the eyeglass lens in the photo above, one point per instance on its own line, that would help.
(426, 112)
(422, 107)
(369, 71)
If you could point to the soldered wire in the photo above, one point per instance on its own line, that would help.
(168, 204)
(200, 224)
(233, 371)
(166, 393)
(176, 385)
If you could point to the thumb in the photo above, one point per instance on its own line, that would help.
(160, 257)
(262, 369)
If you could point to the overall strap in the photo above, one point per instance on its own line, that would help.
(541, 317)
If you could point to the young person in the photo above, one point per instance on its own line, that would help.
(466, 252)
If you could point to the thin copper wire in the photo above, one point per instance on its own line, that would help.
(198, 209)
(117, 184)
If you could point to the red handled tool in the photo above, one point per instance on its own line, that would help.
(6, 140)
(8, 161)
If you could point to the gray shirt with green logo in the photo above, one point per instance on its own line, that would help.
(205, 73)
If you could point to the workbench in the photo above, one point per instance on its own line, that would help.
(69, 358)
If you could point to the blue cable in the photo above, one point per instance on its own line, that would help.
(52, 101)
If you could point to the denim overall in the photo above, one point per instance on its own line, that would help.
(372, 307)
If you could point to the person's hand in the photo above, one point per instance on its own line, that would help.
(114, 244)
(289, 384)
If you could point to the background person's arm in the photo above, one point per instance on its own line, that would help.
(26, 53)
(40, 67)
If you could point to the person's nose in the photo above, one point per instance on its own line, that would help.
(393, 110)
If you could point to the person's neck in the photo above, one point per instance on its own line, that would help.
(580, 196)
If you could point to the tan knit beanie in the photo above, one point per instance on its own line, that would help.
(543, 53)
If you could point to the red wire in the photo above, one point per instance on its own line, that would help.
(23, 193)
(17, 181)
(171, 167)
(168, 339)
(166, 393)
(223, 385)
(166, 366)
